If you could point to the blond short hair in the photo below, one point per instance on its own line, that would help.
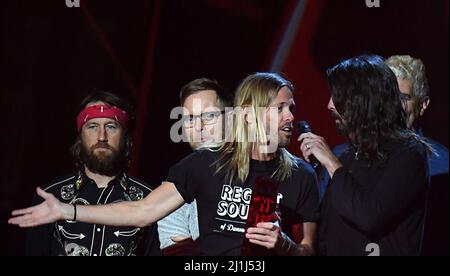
(408, 68)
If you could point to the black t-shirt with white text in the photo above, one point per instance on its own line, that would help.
(223, 207)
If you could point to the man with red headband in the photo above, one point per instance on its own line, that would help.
(102, 153)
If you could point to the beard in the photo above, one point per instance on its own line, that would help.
(109, 163)
(284, 138)
(341, 127)
(283, 141)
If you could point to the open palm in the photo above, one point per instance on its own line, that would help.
(48, 211)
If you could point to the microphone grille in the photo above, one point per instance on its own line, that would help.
(303, 127)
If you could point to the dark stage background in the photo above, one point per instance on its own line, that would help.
(52, 56)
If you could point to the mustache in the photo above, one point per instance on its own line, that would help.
(102, 145)
(336, 115)
(291, 125)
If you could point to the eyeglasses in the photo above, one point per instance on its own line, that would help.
(207, 118)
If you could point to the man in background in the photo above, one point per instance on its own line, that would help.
(415, 95)
(102, 153)
(203, 101)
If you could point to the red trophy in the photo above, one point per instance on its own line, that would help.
(263, 208)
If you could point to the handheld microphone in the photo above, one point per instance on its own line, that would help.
(303, 127)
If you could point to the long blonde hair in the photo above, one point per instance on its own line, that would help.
(256, 91)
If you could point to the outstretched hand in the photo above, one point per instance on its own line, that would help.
(49, 211)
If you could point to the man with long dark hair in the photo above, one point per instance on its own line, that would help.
(102, 153)
(375, 202)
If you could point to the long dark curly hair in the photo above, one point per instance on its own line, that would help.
(366, 94)
(127, 135)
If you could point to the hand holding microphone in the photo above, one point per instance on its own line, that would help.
(322, 156)
(303, 127)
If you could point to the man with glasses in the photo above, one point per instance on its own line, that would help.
(203, 102)
(414, 88)
(240, 187)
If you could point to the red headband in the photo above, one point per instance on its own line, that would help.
(102, 111)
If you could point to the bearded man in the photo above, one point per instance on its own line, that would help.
(102, 154)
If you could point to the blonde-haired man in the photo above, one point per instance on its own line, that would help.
(414, 88)
(227, 184)
(415, 96)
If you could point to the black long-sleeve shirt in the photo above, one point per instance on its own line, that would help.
(83, 239)
(376, 209)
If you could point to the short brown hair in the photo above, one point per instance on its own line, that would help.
(202, 84)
